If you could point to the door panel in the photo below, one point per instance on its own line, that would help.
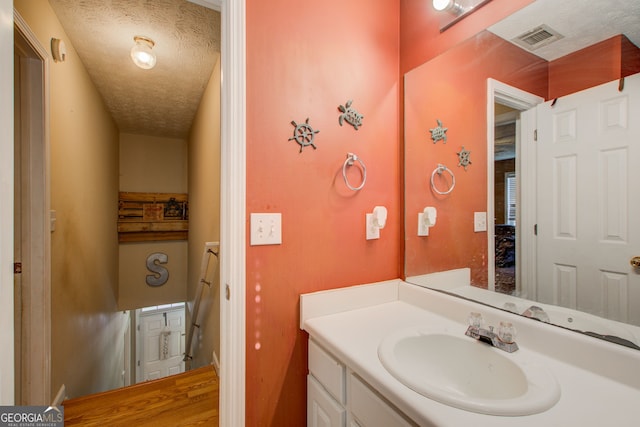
(163, 343)
(587, 213)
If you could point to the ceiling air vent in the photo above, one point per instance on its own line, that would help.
(538, 37)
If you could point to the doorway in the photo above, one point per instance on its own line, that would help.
(233, 213)
(505, 197)
(504, 105)
(31, 221)
(161, 341)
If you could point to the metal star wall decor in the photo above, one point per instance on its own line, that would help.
(439, 133)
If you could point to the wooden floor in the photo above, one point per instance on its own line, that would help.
(188, 399)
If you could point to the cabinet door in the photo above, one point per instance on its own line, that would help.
(322, 409)
(370, 410)
(329, 371)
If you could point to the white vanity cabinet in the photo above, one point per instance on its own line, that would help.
(337, 397)
(368, 409)
(349, 386)
(322, 409)
(326, 389)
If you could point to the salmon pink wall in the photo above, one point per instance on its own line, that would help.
(630, 57)
(600, 63)
(420, 36)
(304, 59)
(452, 88)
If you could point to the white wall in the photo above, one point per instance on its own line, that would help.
(152, 164)
(204, 222)
(87, 329)
(134, 291)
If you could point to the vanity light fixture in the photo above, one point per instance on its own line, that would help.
(448, 5)
(455, 10)
(142, 54)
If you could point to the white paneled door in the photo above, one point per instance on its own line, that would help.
(162, 343)
(588, 207)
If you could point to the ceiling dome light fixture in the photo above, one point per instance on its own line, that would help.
(141, 52)
(449, 6)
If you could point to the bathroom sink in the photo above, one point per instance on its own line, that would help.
(468, 374)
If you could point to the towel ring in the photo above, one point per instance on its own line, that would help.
(351, 159)
(441, 168)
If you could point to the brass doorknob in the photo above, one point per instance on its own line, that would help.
(635, 262)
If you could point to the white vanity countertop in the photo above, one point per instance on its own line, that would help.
(599, 381)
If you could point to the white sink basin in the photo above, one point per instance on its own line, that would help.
(467, 374)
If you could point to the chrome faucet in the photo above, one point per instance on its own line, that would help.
(504, 339)
(536, 312)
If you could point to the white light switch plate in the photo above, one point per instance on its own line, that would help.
(479, 221)
(266, 229)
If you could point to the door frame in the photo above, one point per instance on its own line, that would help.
(233, 212)
(7, 374)
(525, 170)
(35, 379)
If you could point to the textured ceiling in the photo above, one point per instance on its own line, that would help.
(581, 22)
(161, 101)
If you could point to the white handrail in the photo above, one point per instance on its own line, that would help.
(210, 248)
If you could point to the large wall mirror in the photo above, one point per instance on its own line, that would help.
(537, 119)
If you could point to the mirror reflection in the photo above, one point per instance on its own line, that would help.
(540, 221)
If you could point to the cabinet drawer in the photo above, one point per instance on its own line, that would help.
(327, 370)
(371, 410)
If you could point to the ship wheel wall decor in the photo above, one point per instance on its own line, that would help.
(464, 158)
(304, 134)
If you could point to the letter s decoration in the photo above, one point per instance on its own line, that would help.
(161, 274)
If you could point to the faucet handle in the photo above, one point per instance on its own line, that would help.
(475, 319)
(536, 312)
(507, 332)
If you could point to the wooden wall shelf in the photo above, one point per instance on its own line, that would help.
(152, 217)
